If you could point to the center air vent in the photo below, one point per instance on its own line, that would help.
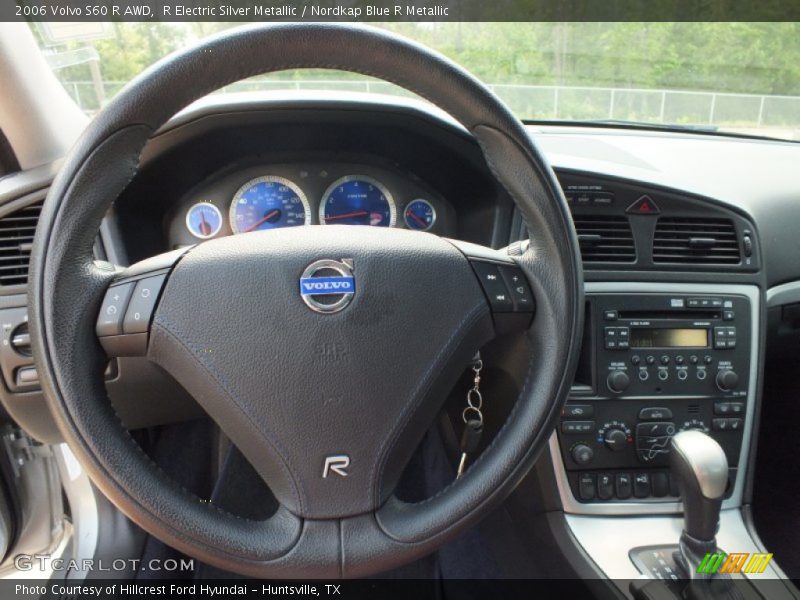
(16, 239)
(696, 240)
(605, 239)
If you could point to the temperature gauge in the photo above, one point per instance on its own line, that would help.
(419, 215)
(203, 220)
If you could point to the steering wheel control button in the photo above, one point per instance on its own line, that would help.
(112, 311)
(655, 414)
(517, 285)
(494, 287)
(142, 304)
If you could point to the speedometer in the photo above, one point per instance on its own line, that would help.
(268, 202)
(357, 200)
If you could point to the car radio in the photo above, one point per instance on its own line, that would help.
(653, 364)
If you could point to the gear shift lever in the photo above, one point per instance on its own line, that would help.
(699, 464)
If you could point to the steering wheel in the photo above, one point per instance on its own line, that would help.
(398, 316)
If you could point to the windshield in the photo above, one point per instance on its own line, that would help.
(739, 78)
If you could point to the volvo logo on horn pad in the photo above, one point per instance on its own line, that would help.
(327, 286)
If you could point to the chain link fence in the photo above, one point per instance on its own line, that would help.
(748, 113)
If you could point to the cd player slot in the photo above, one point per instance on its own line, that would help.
(666, 315)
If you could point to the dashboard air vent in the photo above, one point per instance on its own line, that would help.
(605, 238)
(696, 240)
(16, 239)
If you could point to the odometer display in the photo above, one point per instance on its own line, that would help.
(267, 203)
(357, 200)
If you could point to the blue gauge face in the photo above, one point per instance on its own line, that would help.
(357, 200)
(267, 203)
(419, 215)
(203, 220)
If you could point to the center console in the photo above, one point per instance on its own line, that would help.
(656, 359)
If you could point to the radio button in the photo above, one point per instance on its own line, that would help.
(655, 414)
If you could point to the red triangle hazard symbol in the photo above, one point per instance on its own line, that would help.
(643, 206)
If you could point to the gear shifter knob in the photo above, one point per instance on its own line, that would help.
(699, 464)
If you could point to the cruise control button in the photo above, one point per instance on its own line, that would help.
(112, 311)
(492, 283)
(143, 301)
(521, 294)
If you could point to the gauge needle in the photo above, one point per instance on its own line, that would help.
(260, 222)
(350, 215)
(416, 218)
(205, 228)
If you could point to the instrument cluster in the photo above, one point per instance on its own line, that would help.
(262, 197)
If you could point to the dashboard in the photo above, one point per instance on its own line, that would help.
(663, 221)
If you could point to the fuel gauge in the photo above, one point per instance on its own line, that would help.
(203, 220)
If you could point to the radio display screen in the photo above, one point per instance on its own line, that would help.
(668, 338)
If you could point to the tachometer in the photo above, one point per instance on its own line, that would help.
(268, 202)
(357, 200)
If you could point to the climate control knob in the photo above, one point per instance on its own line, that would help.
(582, 454)
(618, 381)
(615, 439)
(727, 380)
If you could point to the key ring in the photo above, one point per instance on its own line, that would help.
(470, 410)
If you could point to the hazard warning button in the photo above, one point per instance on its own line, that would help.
(643, 206)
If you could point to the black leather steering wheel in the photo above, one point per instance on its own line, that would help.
(372, 385)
